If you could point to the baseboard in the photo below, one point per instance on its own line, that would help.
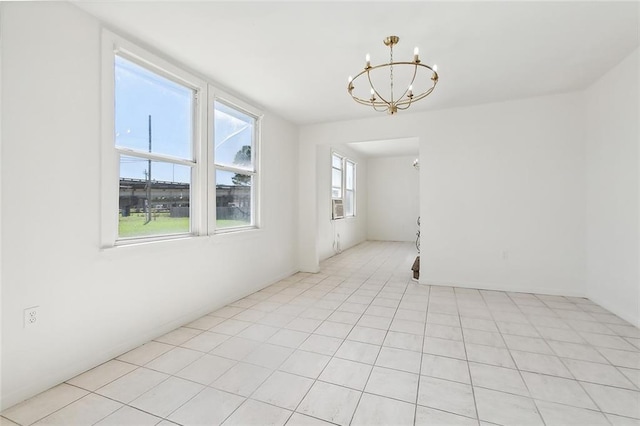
(61, 375)
(501, 287)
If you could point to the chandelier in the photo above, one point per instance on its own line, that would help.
(418, 80)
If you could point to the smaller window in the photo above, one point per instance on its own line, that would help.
(235, 165)
(350, 188)
(343, 183)
(336, 177)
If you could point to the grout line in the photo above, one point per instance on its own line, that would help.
(464, 344)
(424, 338)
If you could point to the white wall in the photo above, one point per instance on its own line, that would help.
(348, 231)
(502, 190)
(613, 256)
(393, 199)
(97, 304)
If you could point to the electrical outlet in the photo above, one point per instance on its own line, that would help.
(31, 317)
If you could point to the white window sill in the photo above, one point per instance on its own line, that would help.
(148, 245)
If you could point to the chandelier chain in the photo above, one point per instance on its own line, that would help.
(391, 70)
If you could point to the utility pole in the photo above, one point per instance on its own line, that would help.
(149, 179)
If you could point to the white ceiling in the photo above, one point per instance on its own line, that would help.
(293, 58)
(387, 147)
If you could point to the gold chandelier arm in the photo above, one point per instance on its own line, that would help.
(374, 89)
(367, 71)
(368, 102)
(422, 95)
(400, 100)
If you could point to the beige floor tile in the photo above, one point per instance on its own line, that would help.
(283, 390)
(127, 416)
(88, 410)
(102, 375)
(44, 404)
(399, 359)
(358, 351)
(564, 415)
(329, 402)
(167, 396)
(557, 389)
(129, 387)
(506, 409)
(242, 379)
(206, 369)
(498, 378)
(448, 396)
(258, 413)
(346, 373)
(393, 384)
(377, 410)
(209, 407)
(445, 368)
(617, 401)
(307, 364)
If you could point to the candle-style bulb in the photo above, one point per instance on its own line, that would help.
(350, 79)
(415, 54)
(372, 91)
(410, 94)
(367, 58)
(435, 68)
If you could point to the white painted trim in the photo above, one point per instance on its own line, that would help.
(108, 155)
(501, 287)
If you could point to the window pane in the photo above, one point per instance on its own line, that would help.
(336, 179)
(350, 171)
(233, 137)
(154, 198)
(348, 203)
(336, 161)
(233, 199)
(140, 93)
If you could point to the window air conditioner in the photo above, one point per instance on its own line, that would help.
(337, 209)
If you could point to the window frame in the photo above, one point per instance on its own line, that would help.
(346, 188)
(244, 108)
(341, 169)
(202, 191)
(343, 181)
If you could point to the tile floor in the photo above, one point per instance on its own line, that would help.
(362, 344)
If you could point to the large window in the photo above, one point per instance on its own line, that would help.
(154, 141)
(235, 166)
(180, 157)
(343, 182)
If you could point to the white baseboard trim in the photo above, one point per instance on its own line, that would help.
(502, 287)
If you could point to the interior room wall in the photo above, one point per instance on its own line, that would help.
(96, 304)
(502, 190)
(341, 234)
(613, 256)
(393, 195)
